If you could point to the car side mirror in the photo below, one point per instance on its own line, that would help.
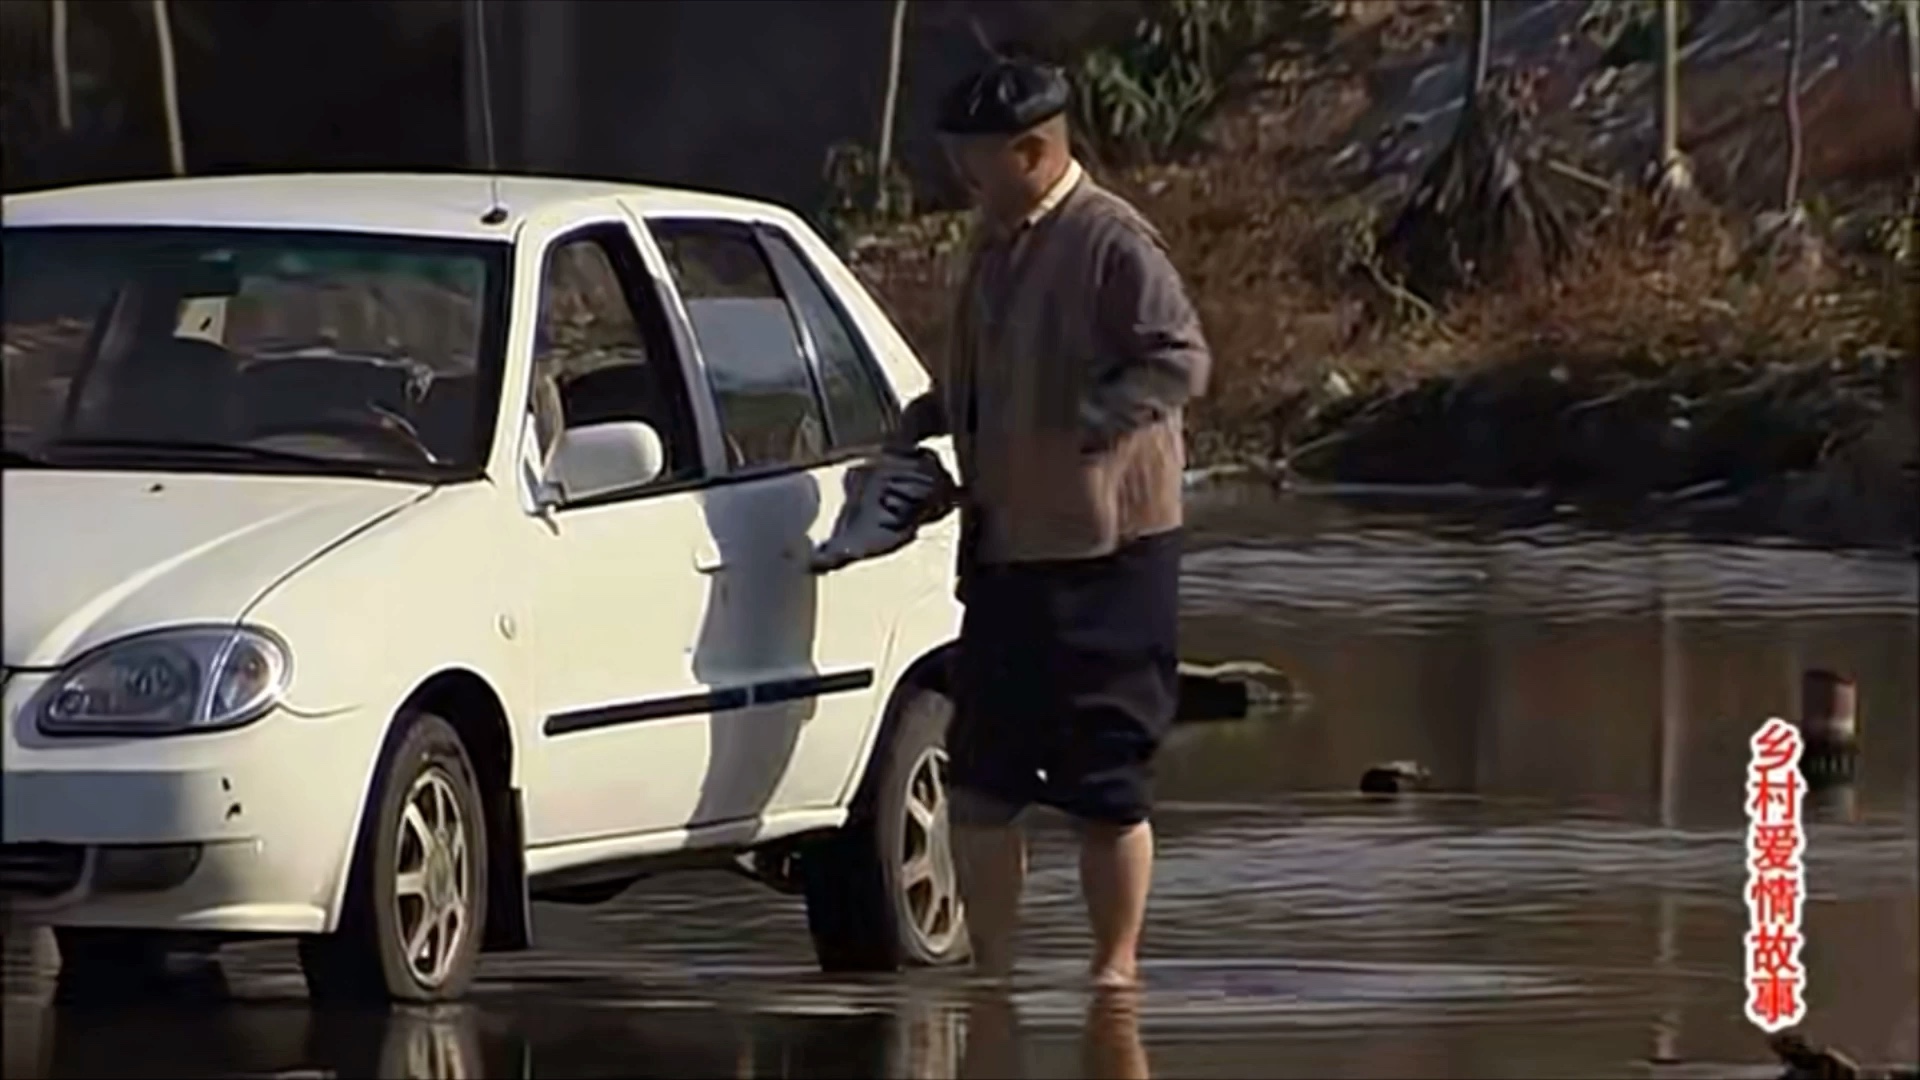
(597, 459)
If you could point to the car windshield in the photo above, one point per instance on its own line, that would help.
(251, 350)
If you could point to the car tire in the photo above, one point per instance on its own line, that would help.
(881, 892)
(416, 904)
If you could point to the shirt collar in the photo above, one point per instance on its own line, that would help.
(1000, 234)
(1055, 195)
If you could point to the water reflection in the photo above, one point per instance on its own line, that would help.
(1111, 1048)
(994, 1048)
(1569, 902)
(1110, 1044)
(974, 1036)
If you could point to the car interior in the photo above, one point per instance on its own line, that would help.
(174, 389)
(161, 378)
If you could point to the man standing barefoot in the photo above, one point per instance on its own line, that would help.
(1074, 349)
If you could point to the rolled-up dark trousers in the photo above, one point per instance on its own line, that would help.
(1067, 679)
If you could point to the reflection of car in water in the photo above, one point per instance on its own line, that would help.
(918, 1041)
(375, 564)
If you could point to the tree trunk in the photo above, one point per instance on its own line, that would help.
(169, 88)
(1674, 174)
(1480, 41)
(1790, 98)
(883, 166)
(62, 74)
(1669, 80)
(1911, 13)
(476, 104)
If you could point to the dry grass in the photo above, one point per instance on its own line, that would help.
(1276, 262)
(1278, 256)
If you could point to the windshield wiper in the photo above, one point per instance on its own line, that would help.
(201, 450)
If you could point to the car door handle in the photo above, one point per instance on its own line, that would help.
(707, 559)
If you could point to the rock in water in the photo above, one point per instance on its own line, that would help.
(1805, 1061)
(1394, 777)
(1231, 691)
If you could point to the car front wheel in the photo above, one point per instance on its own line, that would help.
(882, 892)
(417, 900)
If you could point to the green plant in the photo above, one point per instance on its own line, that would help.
(1892, 236)
(1628, 30)
(1146, 98)
(859, 199)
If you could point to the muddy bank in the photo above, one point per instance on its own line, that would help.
(1639, 431)
(1821, 451)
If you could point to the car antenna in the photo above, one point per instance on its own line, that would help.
(496, 210)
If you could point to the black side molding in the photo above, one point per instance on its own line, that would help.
(726, 699)
(842, 682)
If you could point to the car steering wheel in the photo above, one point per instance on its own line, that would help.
(388, 426)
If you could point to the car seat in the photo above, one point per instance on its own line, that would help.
(182, 389)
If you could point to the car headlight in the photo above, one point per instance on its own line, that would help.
(168, 682)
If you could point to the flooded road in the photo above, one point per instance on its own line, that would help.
(1568, 902)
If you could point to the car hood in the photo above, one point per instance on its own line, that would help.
(93, 556)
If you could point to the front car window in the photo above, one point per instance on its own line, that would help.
(252, 350)
(602, 351)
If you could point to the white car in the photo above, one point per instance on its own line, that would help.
(382, 552)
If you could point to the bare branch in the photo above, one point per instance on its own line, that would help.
(169, 88)
(62, 75)
(1790, 98)
(1480, 41)
(895, 46)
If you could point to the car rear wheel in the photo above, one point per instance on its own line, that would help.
(417, 900)
(882, 892)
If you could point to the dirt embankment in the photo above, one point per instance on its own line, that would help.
(1699, 358)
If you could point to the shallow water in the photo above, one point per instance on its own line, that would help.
(1566, 904)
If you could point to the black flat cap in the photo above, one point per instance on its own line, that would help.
(1007, 98)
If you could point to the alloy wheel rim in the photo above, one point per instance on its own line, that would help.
(928, 885)
(432, 884)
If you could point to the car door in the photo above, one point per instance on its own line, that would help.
(860, 603)
(618, 599)
(808, 646)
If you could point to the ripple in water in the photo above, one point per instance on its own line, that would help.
(1414, 577)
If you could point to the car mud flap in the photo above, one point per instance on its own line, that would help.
(509, 905)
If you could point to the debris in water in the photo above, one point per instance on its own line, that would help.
(1806, 1061)
(1829, 728)
(1231, 690)
(1394, 777)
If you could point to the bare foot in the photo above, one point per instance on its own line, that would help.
(1114, 978)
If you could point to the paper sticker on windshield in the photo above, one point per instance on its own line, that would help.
(203, 318)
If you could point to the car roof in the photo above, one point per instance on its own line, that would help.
(449, 205)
